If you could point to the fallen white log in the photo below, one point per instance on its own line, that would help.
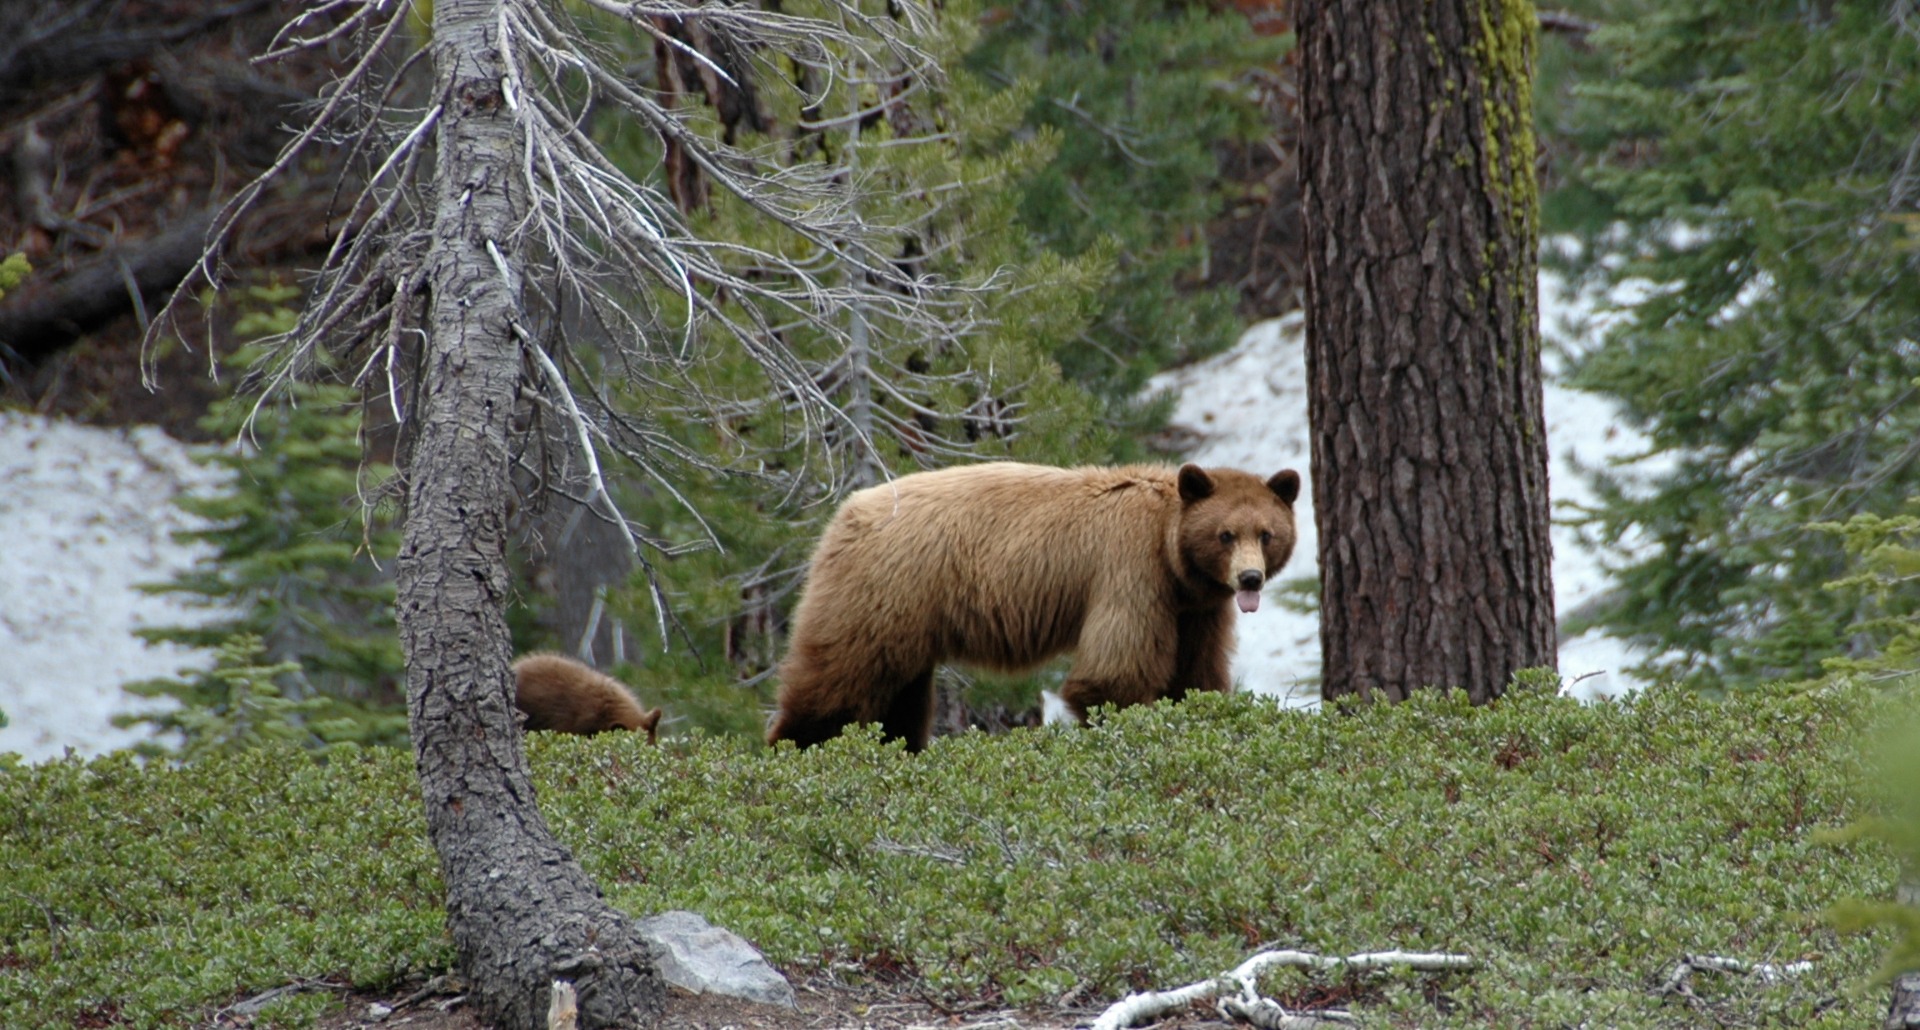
(1138, 1008)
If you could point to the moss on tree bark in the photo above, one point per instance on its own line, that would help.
(1429, 444)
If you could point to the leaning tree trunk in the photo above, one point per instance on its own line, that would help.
(520, 909)
(1423, 344)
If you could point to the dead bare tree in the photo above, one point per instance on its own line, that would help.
(489, 216)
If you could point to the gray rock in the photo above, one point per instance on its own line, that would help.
(702, 958)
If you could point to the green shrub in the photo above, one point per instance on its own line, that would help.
(1895, 821)
(1577, 851)
(298, 575)
(148, 894)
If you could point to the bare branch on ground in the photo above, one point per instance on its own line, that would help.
(1138, 1008)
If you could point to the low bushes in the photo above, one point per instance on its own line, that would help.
(1578, 852)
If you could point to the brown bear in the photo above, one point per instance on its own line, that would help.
(561, 694)
(1136, 570)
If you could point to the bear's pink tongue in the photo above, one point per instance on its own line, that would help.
(1249, 600)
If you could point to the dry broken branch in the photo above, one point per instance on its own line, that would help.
(1765, 972)
(615, 253)
(1140, 1007)
(1266, 1014)
(40, 319)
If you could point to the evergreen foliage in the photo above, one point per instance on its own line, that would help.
(1140, 94)
(233, 704)
(303, 615)
(1887, 553)
(1577, 850)
(1897, 824)
(1883, 592)
(941, 156)
(1754, 161)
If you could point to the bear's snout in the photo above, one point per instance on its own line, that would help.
(1249, 582)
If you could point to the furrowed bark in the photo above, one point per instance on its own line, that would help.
(521, 911)
(1429, 444)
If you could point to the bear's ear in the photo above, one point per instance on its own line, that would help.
(1286, 484)
(1195, 484)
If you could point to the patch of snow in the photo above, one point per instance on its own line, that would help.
(1247, 409)
(85, 517)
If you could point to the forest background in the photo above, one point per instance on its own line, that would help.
(1139, 160)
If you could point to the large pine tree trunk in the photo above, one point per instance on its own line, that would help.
(1429, 448)
(520, 909)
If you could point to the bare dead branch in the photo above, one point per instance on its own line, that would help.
(609, 256)
(1143, 1006)
(1765, 972)
(1250, 1007)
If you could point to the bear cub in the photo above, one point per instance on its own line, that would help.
(1139, 571)
(567, 696)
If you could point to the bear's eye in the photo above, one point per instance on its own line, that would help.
(1265, 538)
(1226, 538)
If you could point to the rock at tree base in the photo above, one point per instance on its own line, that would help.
(703, 958)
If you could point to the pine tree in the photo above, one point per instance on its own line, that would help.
(1755, 160)
(944, 155)
(1888, 553)
(1883, 592)
(1140, 94)
(302, 608)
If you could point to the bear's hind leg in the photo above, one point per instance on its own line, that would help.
(815, 702)
(818, 700)
(910, 715)
(805, 729)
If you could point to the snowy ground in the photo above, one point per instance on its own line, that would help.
(1248, 409)
(85, 517)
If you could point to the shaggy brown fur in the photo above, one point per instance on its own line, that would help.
(567, 696)
(1136, 570)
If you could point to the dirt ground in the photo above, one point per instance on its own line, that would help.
(823, 1005)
